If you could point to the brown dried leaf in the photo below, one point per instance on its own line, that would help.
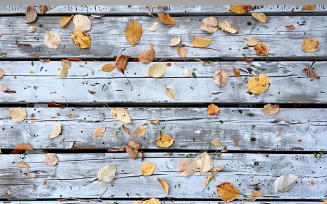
(170, 92)
(260, 17)
(221, 78)
(216, 143)
(181, 51)
(23, 164)
(164, 185)
(121, 62)
(30, 14)
(140, 131)
(154, 121)
(23, 147)
(226, 26)
(200, 42)
(311, 73)
(211, 176)
(82, 23)
(290, 27)
(66, 64)
(310, 45)
(132, 148)
(255, 194)
(261, 49)
(108, 67)
(209, 24)
(309, 7)
(246, 59)
(240, 9)
(65, 20)
(51, 159)
(270, 109)
(1, 73)
(56, 131)
(175, 41)
(187, 167)
(227, 191)
(126, 129)
(81, 39)
(237, 72)
(133, 32)
(53, 104)
(44, 8)
(121, 115)
(166, 19)
(3, 88)
(98, 132)
(148, 55)
(251, 41)
(52, 40)
(149, 12)
(213, 109)
(18, 114)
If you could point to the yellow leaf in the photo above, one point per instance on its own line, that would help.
(147, 169)
(166, 19)
(277, 133)
(170, 92)
(81, 39)
(213, 109)
(261, 49)
(309, 7)
(164, 185)
(65, 20)
(325, 200)
(133, 32)
(216, 143)
(240, 8)
(18, 114)
(310, 45)
(258, 84)
(52, 40)
(164, 141)
(108, 67)
(200, 42)
(98, 132)
(150, 201)
(270, 109)
(227, 191)
(226, 26)
(63, 72)
(157, 70)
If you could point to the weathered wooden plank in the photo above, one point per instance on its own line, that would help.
(191, 128)
(99, 201)
(109, 41)
(172, 9)
(75, 176)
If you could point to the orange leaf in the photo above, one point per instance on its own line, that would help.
(121, 62)
(290, 27)
(126, 129)
(53, 104)
(213, 109)
(237, 72)
(65, 20)
(309, 7)
(311, 73)
(240, 8)
(227, 191)
(166, 19)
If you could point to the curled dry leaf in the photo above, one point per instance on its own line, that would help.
(2, 73)
(108, 67)
(23, 147)
(70, 146)
(107, 173)
(3, 87)
(170, 92)
(52, 40)
(285, 183)
(270, 109)
(18, 114)
(56, 131)
(149, 12)
(209, 24)
(154, 27)
(65, 20)
(33, 28)
(126, 129)
(216, 143)
(66, 64)
(121, 62)
(277, 133)
(310, 45)
(290, 27)
(188, 73)
(260, 17)
(251, 41)
(63, 72)
(187, 167)
(98, 132)
(147, 169)
(261, 49)
(23, 164)
(147, 56)
(204, 162)
(258, 84)
(132, 148)
(200, 42)
(226, 26)
(311, 73)
(140, 131)
(309, 7)
(51, 159)
(211, 175)
(240, 8)
(164, 185)
(237, 72)
(81, 39)
(157, 70)
(30, 14)
(44, 8)
(164, 141)
(227, 191)
(213, 109)
(133, 32)
(255, 194)
(82, 23)
(181, 51)
(221, 78)
(175, 41)
(166, 19)
(121, 115)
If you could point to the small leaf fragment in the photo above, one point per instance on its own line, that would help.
(311, 73)
(251, 41)
(170, 92)
(23, 164)
(65, 20)
(237, 72)
(240, 9)
(209, 24)
(181, 51)
(175, 41)
(309, 7)
(126, 129)
(226, 26)
(154, 27)
(260, 17)
(187, 167)
(290, 27)
(164, 185)
(56, 131)
(132, 148)
(216, 143)
(44, 8)
(121, 62)
(18, 114)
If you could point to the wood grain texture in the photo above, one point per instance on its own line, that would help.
(172, 9)
(109, 41)
(111, 201)
(191, 128)
(75, 176)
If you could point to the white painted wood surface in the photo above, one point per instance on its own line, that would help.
(40, 83)
(172, 9)
(109, 41)
(75, 176)
(100, 201)
(191, 128)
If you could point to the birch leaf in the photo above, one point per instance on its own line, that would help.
(44, 8)
(251, 41)
(260, 17)
(213, 109)
(175, 41)
(133, 32)
(200, 42)
(204, 162)
(187, 167)
(18, 114)
(65, 20)
(170, 92)
(157, 70)
(52, 40)
(132, 148)
(240, 9)
(285, 183)
(82, 23)
(140, 131)
(23, 164)
(121, 115)
(261, 49)
(81, 39)
(216, 143)
(148, 55)
(154, 27)
(147, 169)
(107, 173)
(98, 132)
(164, 185)
(270, 109)
(181, 51)
(166, 19)
(1, 73)
(227, 191)
(258, 84)
(56, 131)
(226, 26)
(51, 159)
(221, 78)
(30, 15)
(209, 24)
(164, 141)
(310, 45)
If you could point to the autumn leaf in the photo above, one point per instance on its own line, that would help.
(251, 41)
(132, 148)
(166, 19)
(181, 51)
(56, 131)
(72, 115)
(170, 92)
(23, 147)
(226, 26)
(270, 109)
(65, 20)
(311, 73)
(82, 23)
(154, 27)
(285, 183)
(66, 64)
(221, 78)
(310, 45)
(227, 191)
(277, 133)
(204, 162)
(246, 59)
(126, 129)
(154, 121)
(133, 32)
(63, 72)
(52, 40)
(309, 7)
(3, 87)
(261, 49)
(98, 132)
(147, 56)
(164, 141)
(188, 73)
(44, 8)
(150, 201)
(53, 104)
(175, 41)
(23, 164)
(157, 70)
(237, 73)
(140, 131)
(260, 17)
(107, 173)
(213, 109)
(1, 73)
(30, 15)
(121, 115)
(81, 39)
(216, 143)
(108, 67)
(187, 167)
(290, 27)
(258, 84)
(147, 169)
(33, 28)
(51, 159)
(70, 146)
(240, 9)
(200, 42)
(211, 176)
(18, 114)
(164, 185)
(209, 24)
(255, 194)
(121, 62)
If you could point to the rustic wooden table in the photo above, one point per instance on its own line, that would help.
(252, 165)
